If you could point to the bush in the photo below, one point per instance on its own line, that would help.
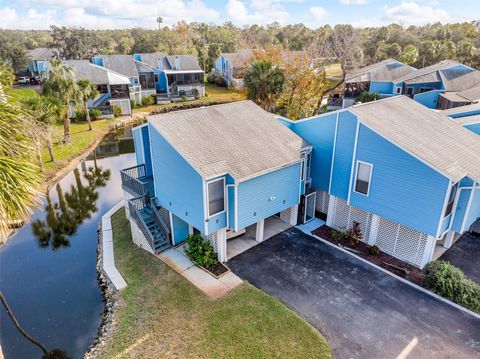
(367, 97)
(196, 93)
(450, 282)
(184, 98)
(200, 251)
(95, 114)
(80, 115)
(117, 111)
(337, 236)
(220, 81)
(354, 233)
(374, 250)
(147, 101)
(212, 76)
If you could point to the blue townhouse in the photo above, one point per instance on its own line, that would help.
(219, 171)
(467, 116)
(38, 61)
(231, 66)
(175, 75)
(390, 165)
(376, 78)
(112, 87)
(408, 175)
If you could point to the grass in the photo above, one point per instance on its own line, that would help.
(160, 314)
(81, 139)
(18, 93)
(213, 93)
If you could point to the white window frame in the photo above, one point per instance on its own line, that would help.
(209, 215)
(369, 179)
(398, 90)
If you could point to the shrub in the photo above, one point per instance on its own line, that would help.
(117, 111)
(80, 115)
(95, 113)
(337, 236)
(184, 98)
(374, 250)
(211, 78)
(354, 233)
(220, 81)
(147, 101)
(450, 282)
(200, 251)
(367, 97)
(196, 93)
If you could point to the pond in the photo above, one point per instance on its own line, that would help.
(47, 270)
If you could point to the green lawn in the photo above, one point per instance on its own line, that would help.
(18, 93)
(213, 93)
(160, 315)
(81, 139)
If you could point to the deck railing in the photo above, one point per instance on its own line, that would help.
(132, 180)
(135, 205)
(105, 110)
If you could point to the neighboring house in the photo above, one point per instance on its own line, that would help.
(112, 87)
(213, 171)
(409, 175)
(176, 75)
(141, 77)
(231, 66)
(447, 100)
(377, 78)
(467, 116)
(39, 59)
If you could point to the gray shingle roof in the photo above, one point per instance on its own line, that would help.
(123, 64)
(152, 59)
(467, 108)
(239, 58)
(386, 70)
(465, 120)
(187, 62)
(98, 75)
(426, 74)
(237, 138)
(41, 53)
(426, 134)
(459, 80)
(143, 67)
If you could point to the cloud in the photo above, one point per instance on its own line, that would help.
(411, 13)
(318, 12)
(32, 19)
(353, 2)
(263, 12)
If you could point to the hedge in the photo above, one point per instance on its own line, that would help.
(450, 282)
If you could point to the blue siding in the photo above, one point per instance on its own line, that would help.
(431, 85)
(285, 122)
(475, 127)
(180, 230)
(162, 84)
(217, 222)
(141, 140)
(137, 141)
(137, 57)
(231, 206)
(320, 133)
(428, 99)
(382, 88)
(474, 212)
(342, 164)
(178, 186)
(463, 112)
(98, 61)
(254, 195)
(402, 189)
(462, 204)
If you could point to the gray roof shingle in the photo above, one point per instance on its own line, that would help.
(386, 70)
(428, 135)
(41, 53)
(237, 138)
(123, 64)
(98, 75)
(426, 74)
(187, 62)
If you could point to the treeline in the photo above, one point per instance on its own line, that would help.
(416, 45)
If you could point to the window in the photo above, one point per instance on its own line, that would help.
(398, 90)
(364, 175)
(451, 200)
(216, 197)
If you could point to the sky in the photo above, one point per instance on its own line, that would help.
(108, 14)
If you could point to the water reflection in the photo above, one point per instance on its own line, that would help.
(64, 217)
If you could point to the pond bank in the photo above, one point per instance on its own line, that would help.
(244, 323)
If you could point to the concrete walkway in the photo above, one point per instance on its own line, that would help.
(362, 311)
(213, 287)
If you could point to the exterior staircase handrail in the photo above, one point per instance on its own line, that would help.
(133, 207)
(158, 218)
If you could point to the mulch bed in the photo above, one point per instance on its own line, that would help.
(217, 269)
(384, 260)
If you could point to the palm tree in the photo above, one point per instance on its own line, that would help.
(264, 83)
(61, 84)
(85, 91)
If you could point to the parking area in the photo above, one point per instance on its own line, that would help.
(465, 254)
(362, 311)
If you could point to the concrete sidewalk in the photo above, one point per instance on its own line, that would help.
(214, 288)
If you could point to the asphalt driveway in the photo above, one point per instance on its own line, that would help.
(363, 312)
(465, 254)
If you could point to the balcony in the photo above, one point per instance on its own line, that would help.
(136, 182)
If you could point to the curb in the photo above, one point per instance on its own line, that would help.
(426, 291)
(108, 261)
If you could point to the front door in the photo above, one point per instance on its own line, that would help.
(309, 213)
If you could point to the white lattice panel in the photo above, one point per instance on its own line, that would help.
(165, 216)
(138, 237)
(212, 238)
(344, 216)
(322, 201)
(285, 215)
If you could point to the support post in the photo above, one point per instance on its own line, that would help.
(294, 215)
(331, 210)
(259, 231)
(449, 239)
(428, 252)
(372, 237)
(222, 245)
